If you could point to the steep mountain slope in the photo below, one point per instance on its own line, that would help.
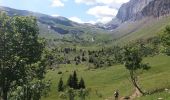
(140, 19)
(157, 8)
(135, 19)
(132, 10)
(142, 29)
(138, 9)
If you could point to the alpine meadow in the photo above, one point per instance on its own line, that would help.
(85, 50)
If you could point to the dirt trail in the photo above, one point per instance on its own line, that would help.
(135, 94)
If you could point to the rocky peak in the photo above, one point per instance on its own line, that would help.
(139, 9)
(157, 8)
(132, 9)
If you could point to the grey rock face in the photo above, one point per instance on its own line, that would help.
(139, 9)
(132, 10)
(157, 8)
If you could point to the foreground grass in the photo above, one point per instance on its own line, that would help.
(164, 95)
(106, 80)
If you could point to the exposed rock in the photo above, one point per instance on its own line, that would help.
(112, 24)
(132, 10)
(160, 98)
(157, 8)
(166, 89)
(139, 9)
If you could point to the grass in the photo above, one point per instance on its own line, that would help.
(107, 80)
(165, 95)
(142, 29)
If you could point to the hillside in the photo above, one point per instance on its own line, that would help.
(59, 27)
(139, 9)
(134, 20)
(107, 80)
(140, 19)
(54, 58)
(142, 29)
(143, 20)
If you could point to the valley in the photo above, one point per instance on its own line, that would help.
(107, 80)
(45, 57)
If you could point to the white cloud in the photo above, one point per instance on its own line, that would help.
(57, 3)
(104, 19)
(76, 19)
(121, 1)
(112, 1)
(101, 1)
(103, 14)
(88, 2)
(102, 11)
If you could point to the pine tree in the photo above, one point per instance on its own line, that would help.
(60, 85)
(75, 80)
(83, 59)
(83, 54)
(70, 81)
(82, 84)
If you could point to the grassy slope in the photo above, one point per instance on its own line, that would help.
(105, 81)
(145, 28)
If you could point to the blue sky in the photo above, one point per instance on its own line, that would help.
(82, 11)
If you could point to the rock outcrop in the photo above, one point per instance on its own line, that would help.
(139, 9)
(157, 8)
(132, 10)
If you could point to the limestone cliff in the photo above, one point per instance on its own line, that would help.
(132, 10)
(139, 9)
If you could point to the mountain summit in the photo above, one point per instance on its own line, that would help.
(138, 9)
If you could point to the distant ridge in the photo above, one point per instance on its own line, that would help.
(57, 25)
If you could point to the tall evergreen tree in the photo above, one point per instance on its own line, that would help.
(82, 84)
(75, 80)
(60, 85)
(70, 81)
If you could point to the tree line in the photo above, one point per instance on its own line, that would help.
(103, 57)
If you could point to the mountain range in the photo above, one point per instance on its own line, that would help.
(131, 18)
(55, 25)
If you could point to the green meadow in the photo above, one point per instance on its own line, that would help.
(103, 82)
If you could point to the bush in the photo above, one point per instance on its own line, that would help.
(59, 72)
